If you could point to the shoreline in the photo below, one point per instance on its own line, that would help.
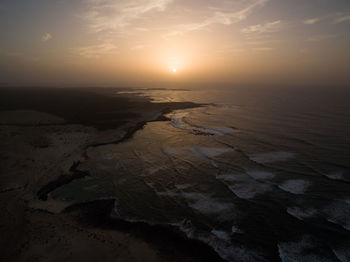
(98, 214)
(43, 156)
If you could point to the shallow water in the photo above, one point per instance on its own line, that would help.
(258, 174)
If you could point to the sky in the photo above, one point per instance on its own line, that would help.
(142, 42)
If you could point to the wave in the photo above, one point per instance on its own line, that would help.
(179, 120)
(222, 211)
(342, 252)
(210, 152)
(221, 235)
(295, 186)
(205, 204)
(304, 249)
(245, 188)
(231, 252)
(196, 153)
(338, 175)
(338, 213)
(261, 175)
(300, 213)
(271, 157)
(221, 242)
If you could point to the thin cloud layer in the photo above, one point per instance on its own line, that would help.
(311, 21)
(219, 17)
(95, 51)
(113, 15)
(317, 38)
(120, 16)
(269, 27)
(337, 18)
(342, 18)
(46, 37)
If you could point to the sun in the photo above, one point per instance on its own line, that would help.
(174, 70)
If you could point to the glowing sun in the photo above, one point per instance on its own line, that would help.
(174, 70)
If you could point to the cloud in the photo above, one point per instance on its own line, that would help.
(260, 35)
(317, 38)
(46, 37)
(219, 17)
(311, 21)
(341, 18)
(113, 15)
(336, 18)
(95, 51)
(269, 27)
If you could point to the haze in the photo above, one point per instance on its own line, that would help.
(143, 42)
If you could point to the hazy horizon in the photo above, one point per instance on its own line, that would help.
(142, 42)
(234, 145)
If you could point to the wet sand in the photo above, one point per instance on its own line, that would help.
(44, 134)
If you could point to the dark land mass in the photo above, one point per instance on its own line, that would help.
(102, 108)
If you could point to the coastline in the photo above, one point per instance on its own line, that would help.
(41, 151)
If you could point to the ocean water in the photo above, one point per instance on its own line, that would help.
(259, 174)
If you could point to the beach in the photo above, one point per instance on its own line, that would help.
(44, 136)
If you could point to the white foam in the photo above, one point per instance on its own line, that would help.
(338, 213)
(210, 152)
(214, 164)
(207, 205)
(193, 195)
(229, 177)
(235, 229)
(185, 195)
(179, 121)
(187, 227)
(220, 241)
(339, 175)
(168, 194)
(115, 211)
(301, 213)
(221, 235)
(230, 252)
(211, 206)
(222, 211)
(271, 157)
(302, 250)
(261, 174)
(297, 186)
(342, 252)
(250, 191)
(244, 187)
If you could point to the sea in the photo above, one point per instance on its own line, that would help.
(257, 173)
